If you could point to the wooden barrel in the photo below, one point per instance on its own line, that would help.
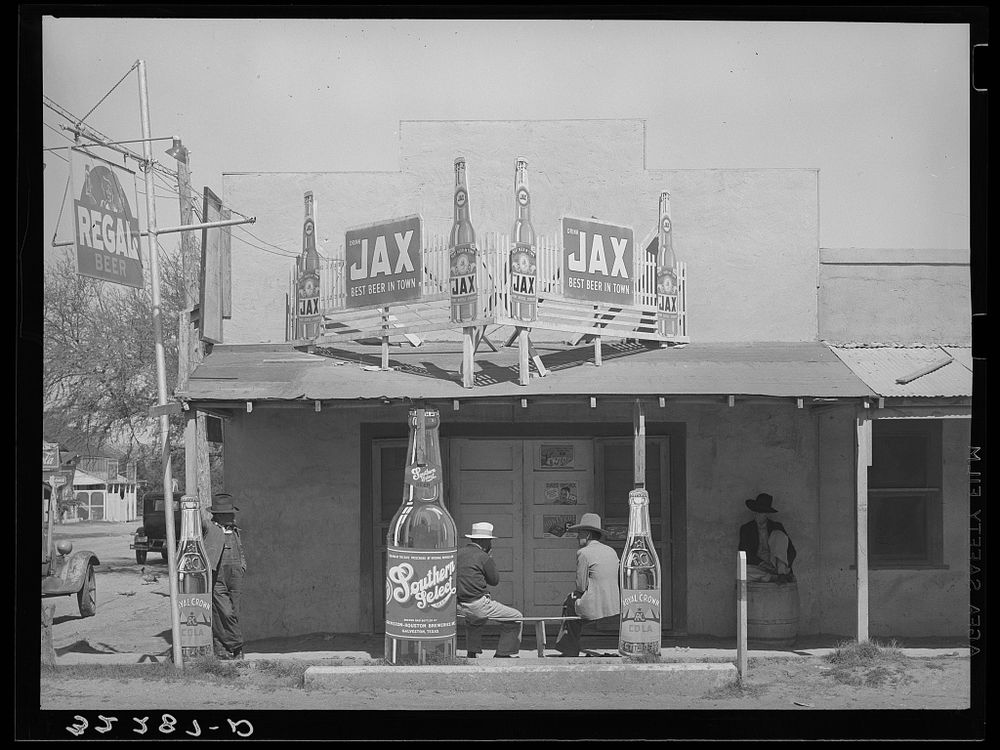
(772, 613)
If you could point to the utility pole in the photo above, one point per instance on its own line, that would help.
(197, 472)
(161, 368)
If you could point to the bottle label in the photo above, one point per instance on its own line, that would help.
(420, 593)
(422, 476)
(195, 612)
(523, 280)
(463, 282)
(640, 622)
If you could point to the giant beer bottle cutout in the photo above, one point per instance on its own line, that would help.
(307, 316)
(194, 585)
(639, 580)
(523, 251)
(462, 253)
(421, 547)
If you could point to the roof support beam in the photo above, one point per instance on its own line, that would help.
(863, 445)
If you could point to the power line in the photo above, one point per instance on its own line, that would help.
(134, 66)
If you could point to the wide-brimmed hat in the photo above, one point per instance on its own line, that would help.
(481, 530)
(761, 504)
(222, 503)
(589, 522)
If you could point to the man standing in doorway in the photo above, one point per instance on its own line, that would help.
(476, 571)
(596, 596)
(228, 562)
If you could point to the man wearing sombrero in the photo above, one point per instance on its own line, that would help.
(596, 596)
(475, 571)
(770, 552)
(228, 564)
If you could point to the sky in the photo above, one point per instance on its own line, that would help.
(882, 110)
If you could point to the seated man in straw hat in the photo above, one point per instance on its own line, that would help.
(770, 553)
(476, 570)
(596, 596)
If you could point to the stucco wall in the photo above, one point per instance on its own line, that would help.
(898, 600)
(296, 476)
(748, 236)
(734, 454)
(895, 297)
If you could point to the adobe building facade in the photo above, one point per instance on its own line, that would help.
(769, 396)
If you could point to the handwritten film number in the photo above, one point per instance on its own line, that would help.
(168, 724)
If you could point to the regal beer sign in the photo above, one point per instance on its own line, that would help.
(598, 261)
(384, 262)
(106, 224)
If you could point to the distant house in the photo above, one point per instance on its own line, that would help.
(103, 482)
(102, 492)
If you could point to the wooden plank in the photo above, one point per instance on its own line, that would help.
(597, 350)
(468, 356)
(522, 356)
(741, 614)
(639, 442)
(864, 460)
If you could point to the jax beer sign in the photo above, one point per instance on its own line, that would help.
(598, 261)
(384, 262)
(105, 220)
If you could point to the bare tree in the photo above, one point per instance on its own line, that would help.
(99, 366)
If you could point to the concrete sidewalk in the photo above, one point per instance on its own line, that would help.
(358, 650)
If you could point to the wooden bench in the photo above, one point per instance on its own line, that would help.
(539, 626)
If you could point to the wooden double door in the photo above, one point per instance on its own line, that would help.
(531, 490)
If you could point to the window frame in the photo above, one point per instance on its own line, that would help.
(931, 491)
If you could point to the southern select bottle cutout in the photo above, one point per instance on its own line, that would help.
(421, 549)
(194, 584)
(523, 251)
(462, 253)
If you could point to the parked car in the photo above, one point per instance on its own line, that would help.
(67, 573)
(152, 535)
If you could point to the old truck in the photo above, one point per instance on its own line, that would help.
(65, 572)
(152, 535)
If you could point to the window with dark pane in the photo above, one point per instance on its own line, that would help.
(904, 493)
(619, 478)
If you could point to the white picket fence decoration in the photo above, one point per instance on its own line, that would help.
(493, 279)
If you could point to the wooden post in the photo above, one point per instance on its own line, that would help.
(597, 350)
(48, 653)
(639, 452)
(522, 358)
(385, 338)
(741, 614)
(468, 358)
(864, 460)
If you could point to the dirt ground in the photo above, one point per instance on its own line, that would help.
(133, 617)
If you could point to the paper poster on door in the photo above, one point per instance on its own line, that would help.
(561, 493)
(556, 457)
(557, 525)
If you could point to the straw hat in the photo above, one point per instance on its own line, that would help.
(482, 530)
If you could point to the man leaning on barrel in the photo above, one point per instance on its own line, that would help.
(770, 553)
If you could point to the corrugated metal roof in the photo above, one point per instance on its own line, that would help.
(881, 366)
(249, 372)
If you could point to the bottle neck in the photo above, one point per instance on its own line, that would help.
(422, 478)
(190, 521)
(638, 515)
